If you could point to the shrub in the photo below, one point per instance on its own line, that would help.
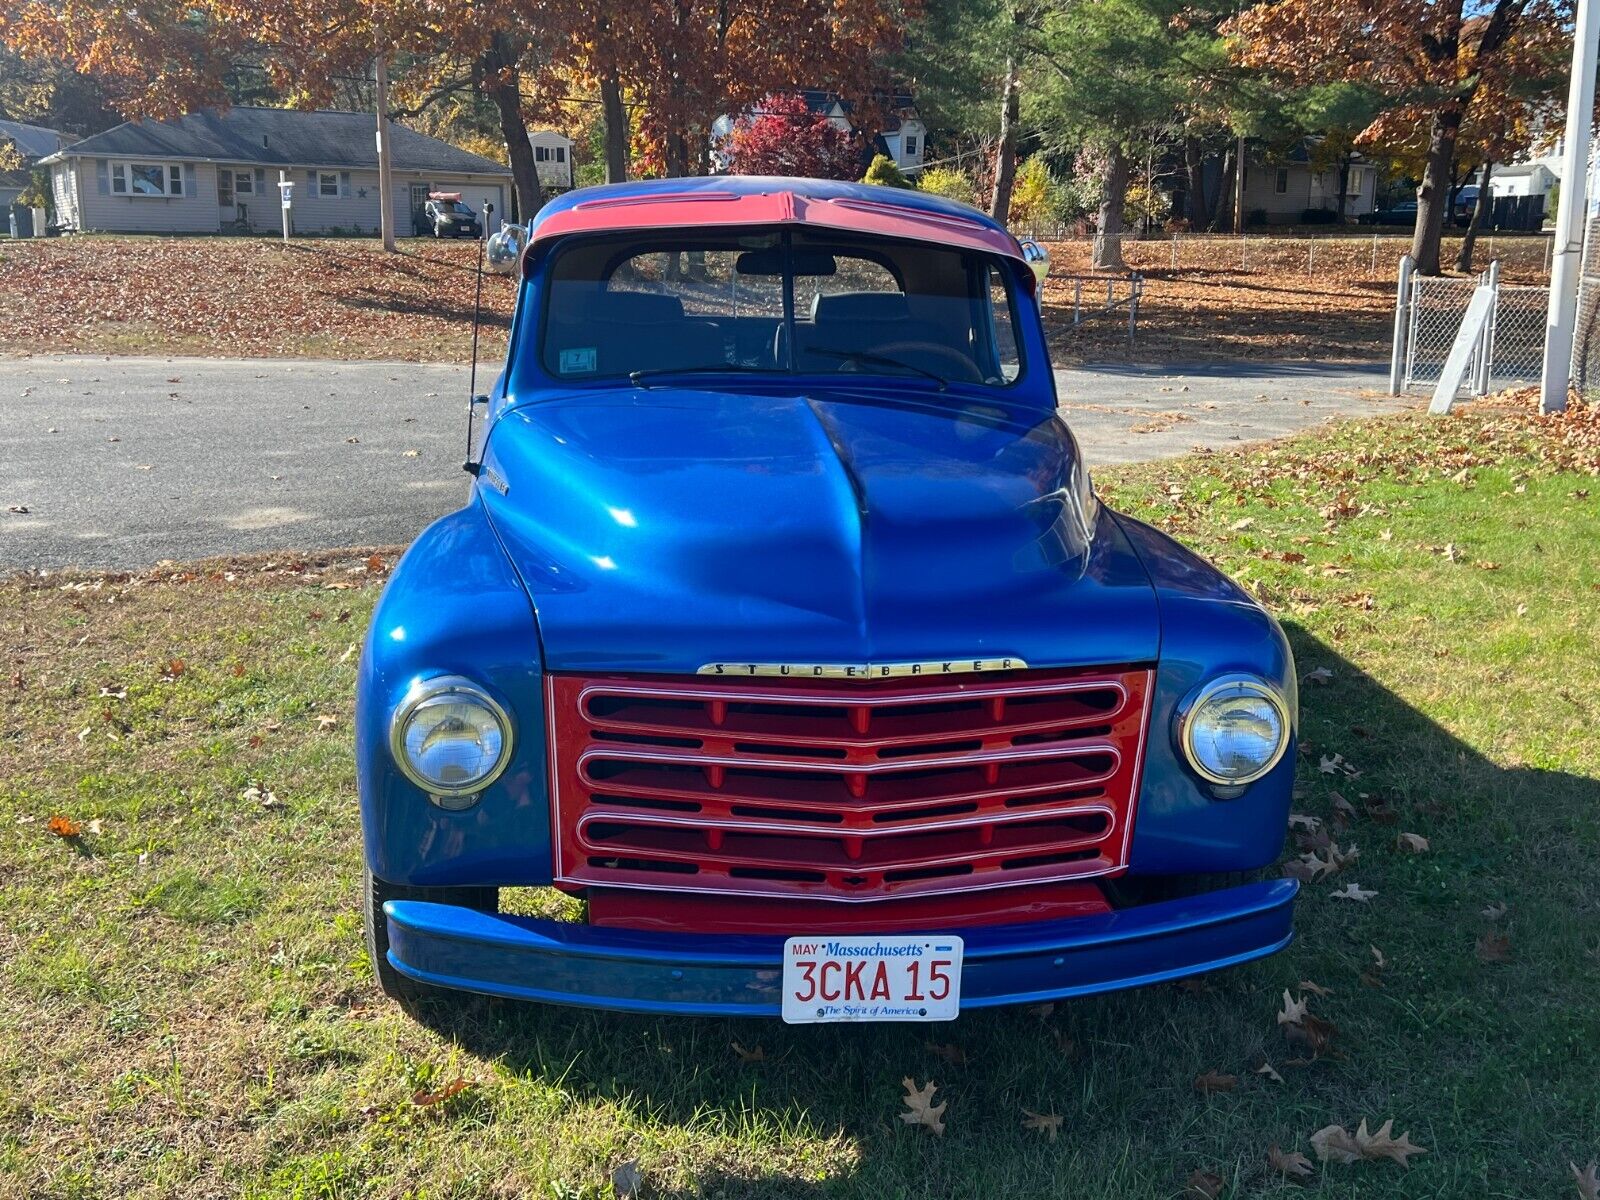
(948, 182)
(1038, 199)
(884, 172)
(1318, 216)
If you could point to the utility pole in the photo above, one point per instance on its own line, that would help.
(1238, 189)
(385, 177)
(1568, 263)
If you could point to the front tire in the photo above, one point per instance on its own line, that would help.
(375, 893)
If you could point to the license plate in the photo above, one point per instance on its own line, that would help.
(915, 978)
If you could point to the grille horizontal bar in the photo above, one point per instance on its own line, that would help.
(856, 791)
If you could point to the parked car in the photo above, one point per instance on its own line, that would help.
(1404, 213)
(783, 628)
(445, 215)
(1466, 200)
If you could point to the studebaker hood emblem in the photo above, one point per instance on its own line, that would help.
(955, 666)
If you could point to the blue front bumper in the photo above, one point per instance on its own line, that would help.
(532, 959)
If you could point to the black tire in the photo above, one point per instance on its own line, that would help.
(375, 893)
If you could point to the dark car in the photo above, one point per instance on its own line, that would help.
(1404, 213)
(444, 216)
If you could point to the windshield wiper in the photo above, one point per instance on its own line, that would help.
(881, 360)
(637, 378)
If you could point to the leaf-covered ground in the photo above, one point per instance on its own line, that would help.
(186, 1008)
(233, 297)
(1329, 299)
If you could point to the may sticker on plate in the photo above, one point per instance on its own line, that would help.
(829, 978)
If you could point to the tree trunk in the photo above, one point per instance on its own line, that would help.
(498, 69)
(1194, 161)
(615, 116)
(1433, 198)
(1240, 174)
(1480, 214)
(1108, 228)
(1222, 214)
(1005, 154)
(1344, 184)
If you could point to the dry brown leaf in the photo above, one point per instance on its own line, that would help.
(1354, 891)
(1202, 1185)
(1378, 960)
(1413, 842)
(423, 1098)
(326, 721)
(1335, 1143)
(1494, 948)
(1270, 1072)
(1316, 989)
(1304, 821)
(1215, 1081)
(754, 1054)
(1493, 912)
(1294, 1011)
(1588, 1180)
(921, 1108)
(1318, 675)
(64, 827)
(1291, 1165)
(1383, 1144)
(948, 1051)
(1315, 1033)
(1048, 1124)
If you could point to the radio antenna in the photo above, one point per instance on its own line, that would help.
(473, 399)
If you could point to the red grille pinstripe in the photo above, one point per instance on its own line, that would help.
(844, 791)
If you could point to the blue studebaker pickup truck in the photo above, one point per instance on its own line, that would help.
(784, 629)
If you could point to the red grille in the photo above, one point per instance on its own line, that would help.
(784, 787)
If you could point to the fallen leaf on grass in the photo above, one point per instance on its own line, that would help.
(1413, 842)
(921, 1108)
(1316, 989)
(1494, 948)
(1493, 912)
(1048, 1124)
(1588, 1180)
(1379, 962)
(948, 1051)
(64, 827)
(1336, 765)
(1202, 1185)
(326, 721)
(1215, 1081)
(1302, 821)
(1354, 891)
(1292, 1165)
(1242, 524)
(423, 1098)
(256, 794)
(375, 564)
(1041, 1011)
(1316, 1034)
(1319, 675)
(1270, 1072)
(754, 1054)
(1294, 1011)
(173, 669)
(1334, 1143)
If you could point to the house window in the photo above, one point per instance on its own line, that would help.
(1281, 183)
(911, 144)
(244, 183)
(541, 154)
(561, 154)
(146, 179)
(328, 184)
(1352, 186)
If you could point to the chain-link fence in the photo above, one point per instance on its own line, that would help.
(1586, 342)
(1511, 351)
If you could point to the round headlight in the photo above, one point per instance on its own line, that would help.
(450, 737)
(1234, 729)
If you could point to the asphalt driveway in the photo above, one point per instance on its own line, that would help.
(121, 463)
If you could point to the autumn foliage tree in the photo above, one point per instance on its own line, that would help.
(784, 137)
(1430, 59)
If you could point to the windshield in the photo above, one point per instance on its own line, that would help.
(643, 304)
(454, 206)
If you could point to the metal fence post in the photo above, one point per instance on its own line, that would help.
(1373, 270)
(1480, 383)
(1402, 302)
(1174, 252)
(1311, 258)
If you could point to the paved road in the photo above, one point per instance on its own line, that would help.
(124, 462)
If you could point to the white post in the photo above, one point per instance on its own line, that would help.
(385, 176)
(1402, 324)
(1564, 271)
(285, 191)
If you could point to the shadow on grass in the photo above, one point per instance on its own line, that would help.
(1120, 1068)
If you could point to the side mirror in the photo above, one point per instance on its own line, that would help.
(505, 248)
(1037, 257)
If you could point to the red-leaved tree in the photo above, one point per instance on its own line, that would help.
(784, 137)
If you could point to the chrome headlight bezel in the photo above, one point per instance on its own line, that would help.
(448, 688)
(1235, 682)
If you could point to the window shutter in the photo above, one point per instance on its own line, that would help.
(261, 180)
(344, 184)
(102, 177)
(311, 183)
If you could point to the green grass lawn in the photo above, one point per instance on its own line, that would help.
(186, 1008)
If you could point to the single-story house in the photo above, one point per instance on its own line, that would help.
(217, 171)
(552, 155)
(1523, 179)
(31, 143)
(1285, 186)
(903, 137)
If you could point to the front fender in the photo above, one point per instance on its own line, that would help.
(1209, 625)
(454, 606)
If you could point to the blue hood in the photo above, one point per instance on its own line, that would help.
(659, 530)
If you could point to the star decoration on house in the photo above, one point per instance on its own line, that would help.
(361, 193)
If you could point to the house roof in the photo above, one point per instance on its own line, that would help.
(1516, 170)
(898, 106)
(282, 137)
(760, 200)
(32, 141)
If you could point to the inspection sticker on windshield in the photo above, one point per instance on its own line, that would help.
(828, 978)
(580, 360)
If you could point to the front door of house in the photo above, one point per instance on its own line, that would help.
(235, 193)
(419, 199)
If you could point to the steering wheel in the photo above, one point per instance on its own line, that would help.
(965, 369)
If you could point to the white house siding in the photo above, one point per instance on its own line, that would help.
(63, 182)
(1303, 191)
(193, 212)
